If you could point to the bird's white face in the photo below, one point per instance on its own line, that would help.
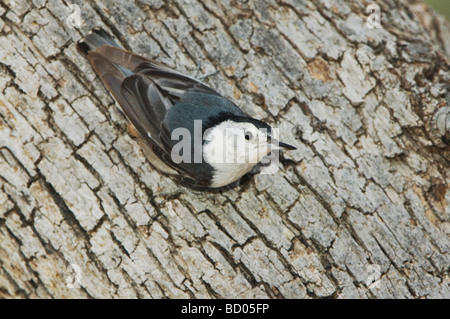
(235, 143)
(233, 148)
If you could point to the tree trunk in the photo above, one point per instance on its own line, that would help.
(359, 210)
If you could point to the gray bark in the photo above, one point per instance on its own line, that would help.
(360, 210)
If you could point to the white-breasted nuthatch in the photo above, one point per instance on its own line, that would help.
(222, 142)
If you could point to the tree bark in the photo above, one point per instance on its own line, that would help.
(359, 210)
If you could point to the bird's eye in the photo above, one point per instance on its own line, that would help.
(248, 135)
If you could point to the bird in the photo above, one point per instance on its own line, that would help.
(185, 128)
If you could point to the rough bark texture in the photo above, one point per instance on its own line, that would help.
(361, 209)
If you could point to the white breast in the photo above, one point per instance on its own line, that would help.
(229, 159)
(225, 174)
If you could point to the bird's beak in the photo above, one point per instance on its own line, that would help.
(276, 145)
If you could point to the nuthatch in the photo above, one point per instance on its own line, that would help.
(221, 143)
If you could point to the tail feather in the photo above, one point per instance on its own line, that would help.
(95, 39)
(101, 51)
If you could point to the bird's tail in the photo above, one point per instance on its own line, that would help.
(111, 63)
(95, 39)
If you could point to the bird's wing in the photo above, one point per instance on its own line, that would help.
(146, 107)
(150, 94)
(173, 83)
(152, 103)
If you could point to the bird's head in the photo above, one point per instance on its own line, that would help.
(242, 141)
